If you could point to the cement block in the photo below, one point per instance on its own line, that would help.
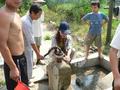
(106, 82)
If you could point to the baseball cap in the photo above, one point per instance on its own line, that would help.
(64, 27)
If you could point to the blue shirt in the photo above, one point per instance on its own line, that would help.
(95, 21)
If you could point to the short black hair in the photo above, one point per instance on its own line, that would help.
(35, 8)
(96, 2)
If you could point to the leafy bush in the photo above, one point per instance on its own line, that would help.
(2, 3)
(70, 10)
(25, 7)
(47, 36)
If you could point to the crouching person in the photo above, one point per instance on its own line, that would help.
(63, 40)
(59, 72)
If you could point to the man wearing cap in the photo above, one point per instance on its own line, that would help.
(95, 19)
(34, 14)
(63, 40)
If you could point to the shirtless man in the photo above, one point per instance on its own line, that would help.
(12, 44)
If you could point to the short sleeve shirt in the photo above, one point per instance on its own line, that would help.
(95, 20)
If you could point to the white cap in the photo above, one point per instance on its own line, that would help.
(39, 1)
(95, 1)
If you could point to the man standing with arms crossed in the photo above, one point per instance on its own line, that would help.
(12, 44)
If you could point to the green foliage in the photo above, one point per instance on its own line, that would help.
(25, 7)
(70, 10)
(115, 23)
(51, 15)
(47, 36)
(2, 3)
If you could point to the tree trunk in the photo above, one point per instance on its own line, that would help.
(109, 27)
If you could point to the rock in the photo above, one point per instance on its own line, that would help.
(59, 75)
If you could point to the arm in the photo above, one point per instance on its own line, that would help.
(36, 51)
(114, 62)
(115, 46)
(53, 43)
(86, 18)
(105, 19)
(4, 49)
(114, 67)
(27, 30)
(69, 53)
(69, 46)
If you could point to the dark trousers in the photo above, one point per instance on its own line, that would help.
(21, 63)
(119, 71)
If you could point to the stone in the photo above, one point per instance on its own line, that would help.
(59, 75)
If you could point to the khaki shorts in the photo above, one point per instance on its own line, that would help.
(89, 39)
(38, 40)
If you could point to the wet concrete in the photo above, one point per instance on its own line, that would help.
(89, 76)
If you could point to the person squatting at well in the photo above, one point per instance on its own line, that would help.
(63, 40)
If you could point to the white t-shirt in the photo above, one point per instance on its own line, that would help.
(38, 26)
(116, 40)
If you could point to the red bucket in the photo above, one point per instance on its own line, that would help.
(21, 86)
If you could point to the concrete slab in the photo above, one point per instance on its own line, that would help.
(81, 62)
(106, 82)
(39, 73)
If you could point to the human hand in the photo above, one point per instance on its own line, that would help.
(67, 58)
(117, 84)
(14, 74)
(40, 57)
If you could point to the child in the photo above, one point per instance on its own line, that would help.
(95, 19)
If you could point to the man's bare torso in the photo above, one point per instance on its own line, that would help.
(15, 36)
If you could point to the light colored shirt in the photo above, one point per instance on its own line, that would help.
(68, 43)
(115, 43)
(27, 30)
(95, 21)
(38, 26)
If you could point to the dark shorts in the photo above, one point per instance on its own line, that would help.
(119, 71)
(20, 61)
